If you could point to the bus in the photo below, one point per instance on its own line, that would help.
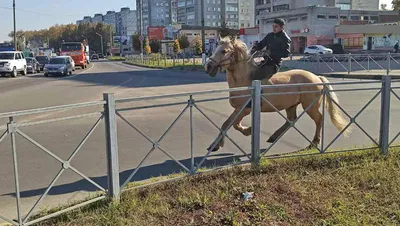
(77, 51)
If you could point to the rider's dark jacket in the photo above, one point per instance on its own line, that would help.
(278, 44)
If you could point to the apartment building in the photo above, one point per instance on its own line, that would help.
(316, 24)
(246, 13)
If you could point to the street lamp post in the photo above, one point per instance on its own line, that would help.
(86, 39)
(101, 37)
(203, 35)
(15, 28)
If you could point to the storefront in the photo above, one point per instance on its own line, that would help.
(299, 40)
(351, 41)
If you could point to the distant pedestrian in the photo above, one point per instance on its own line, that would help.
(396, 47)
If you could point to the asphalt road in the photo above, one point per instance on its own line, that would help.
(37, 169)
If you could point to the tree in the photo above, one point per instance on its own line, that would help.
(183, 42)
(176, 46)
(136, 42)
(198, 48)
(226, 31)
(147, 46)
(54, 35)
(155, 46)
(396, 5)
(383, 7)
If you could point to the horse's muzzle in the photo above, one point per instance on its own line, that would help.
(211, 68)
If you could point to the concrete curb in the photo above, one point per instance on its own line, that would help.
(170, 68)
(355, 76)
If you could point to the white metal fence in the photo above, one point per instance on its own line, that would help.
(113, 112)
(346, 63)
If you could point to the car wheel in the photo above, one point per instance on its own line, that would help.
(14, 72)
(70, 72)
(46, 75)
(24, 71)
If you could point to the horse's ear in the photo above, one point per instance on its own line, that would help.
(233, 39)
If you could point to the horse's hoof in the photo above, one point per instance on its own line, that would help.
(271, 140)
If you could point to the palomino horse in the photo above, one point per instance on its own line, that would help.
(232, 56)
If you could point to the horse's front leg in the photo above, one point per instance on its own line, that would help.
(219, 142)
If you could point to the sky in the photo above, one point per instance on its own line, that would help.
(40, 14)
(35, 15)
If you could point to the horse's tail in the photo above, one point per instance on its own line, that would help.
(334, 111)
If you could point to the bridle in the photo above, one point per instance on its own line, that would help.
(230, 59)
(222, 62)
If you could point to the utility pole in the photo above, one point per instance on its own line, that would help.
(15, 28)
(141, 28)
(203, 35)
(101, 38)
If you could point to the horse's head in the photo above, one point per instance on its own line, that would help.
(226, 55)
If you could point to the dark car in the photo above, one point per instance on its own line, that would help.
(101, 56)
(95, 57)
(43, 60)
(60, 65)
(32, 65)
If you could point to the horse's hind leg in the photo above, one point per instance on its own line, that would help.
(291, 115)
(236, 124)
(315, 115)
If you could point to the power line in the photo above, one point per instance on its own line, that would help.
(28, 11)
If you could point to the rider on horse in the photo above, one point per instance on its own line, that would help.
(278, 45)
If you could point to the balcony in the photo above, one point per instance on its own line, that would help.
(264, 6)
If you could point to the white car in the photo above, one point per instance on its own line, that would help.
(72, 63)
(12, 62)
(317, 49)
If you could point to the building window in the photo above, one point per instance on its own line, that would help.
(343, 17)
(321, 17)
(354, 18)
(344, 6)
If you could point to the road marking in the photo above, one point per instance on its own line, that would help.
(81, 72)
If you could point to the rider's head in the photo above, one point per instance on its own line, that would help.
(278, 25)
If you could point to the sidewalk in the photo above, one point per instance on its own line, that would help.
(373, 74)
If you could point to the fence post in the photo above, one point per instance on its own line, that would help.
(255, 123)
(349, 64)
(388, 68)
(112, 147)
(385, 114)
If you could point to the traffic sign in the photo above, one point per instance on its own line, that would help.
(141, 38)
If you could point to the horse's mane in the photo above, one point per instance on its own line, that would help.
(240, 48)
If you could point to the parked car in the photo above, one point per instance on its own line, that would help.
(43, 60)
(95, 57)
(12, 62)
(101, 56)
(60, 65)
(32, 64)
(317, 49)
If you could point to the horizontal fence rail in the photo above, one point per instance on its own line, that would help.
(256, 95)
(379, 63)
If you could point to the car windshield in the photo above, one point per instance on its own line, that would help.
(6, 56)
(28, 60)
(71, 47)
(41, 58)
(57, 61)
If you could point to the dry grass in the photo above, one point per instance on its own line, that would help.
(360, 188)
